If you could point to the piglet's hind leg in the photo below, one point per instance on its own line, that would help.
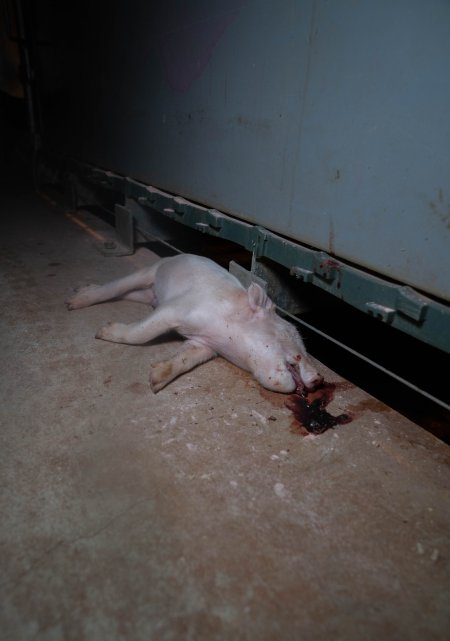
(190, 355)
(93, 294)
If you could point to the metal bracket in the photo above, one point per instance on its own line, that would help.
(407, 302)
(246, 277)
(259, 241)
(285, 293)
(306, 275)
(326, 266)
(121, 243)
(380, 312)
(411, 304)
(125, 226)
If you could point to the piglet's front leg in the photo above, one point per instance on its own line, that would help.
(190, 355)
(161, 320)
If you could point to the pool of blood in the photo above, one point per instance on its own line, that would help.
(309, 407)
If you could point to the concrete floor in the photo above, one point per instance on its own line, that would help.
(194, 514)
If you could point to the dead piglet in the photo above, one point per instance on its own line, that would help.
(211, 309)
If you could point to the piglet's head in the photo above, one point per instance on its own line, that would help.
(275, 351)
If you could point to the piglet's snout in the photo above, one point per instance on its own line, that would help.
(312, 381)
(305, 374)
(309, 376)
(277, 380)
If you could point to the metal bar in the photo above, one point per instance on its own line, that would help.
(379, 367)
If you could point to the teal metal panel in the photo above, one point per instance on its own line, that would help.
(326, 122)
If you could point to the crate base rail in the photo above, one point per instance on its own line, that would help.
(143, 208)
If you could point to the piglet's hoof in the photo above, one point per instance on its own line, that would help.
(71, 303)
(81, 298)
(110, 332)
(161, 374)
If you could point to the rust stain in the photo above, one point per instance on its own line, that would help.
(331, 237)
(330, 263)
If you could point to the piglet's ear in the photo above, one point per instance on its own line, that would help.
(258, 298)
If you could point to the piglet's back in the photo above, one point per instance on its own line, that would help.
(194, 275)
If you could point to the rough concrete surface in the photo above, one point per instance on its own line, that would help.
(195, 513)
